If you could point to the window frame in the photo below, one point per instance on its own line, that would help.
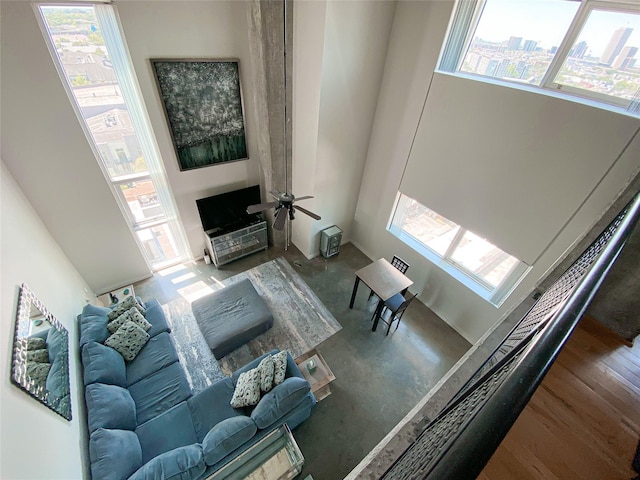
(548, 84)
(132, 97)
(495, 295)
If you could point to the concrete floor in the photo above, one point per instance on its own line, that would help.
(379, 378)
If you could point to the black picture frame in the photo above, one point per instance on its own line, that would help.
(202, 101)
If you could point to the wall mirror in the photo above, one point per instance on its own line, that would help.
(40, 362)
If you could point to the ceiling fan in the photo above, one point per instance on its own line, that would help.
(284, 204)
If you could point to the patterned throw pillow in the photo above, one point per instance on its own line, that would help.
(41, 355)
(38, 372)
(128, 340)
(36, 343)
(280, 367)
(266, 369)
(125, 305)
(132, 314)
(247, 390)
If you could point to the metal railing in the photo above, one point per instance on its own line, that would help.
(459, 442)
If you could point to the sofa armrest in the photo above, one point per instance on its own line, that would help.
(292, 368)
(281, 400)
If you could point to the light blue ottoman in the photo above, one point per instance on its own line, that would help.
(231, 317)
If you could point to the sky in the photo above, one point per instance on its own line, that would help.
(546, 21)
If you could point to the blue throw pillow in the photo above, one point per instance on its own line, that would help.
(58, 377)
(103, 364)
(280, 401)
(225, 437)
(184, 463)
(109, 406)
(93, 324)
(114, 454)
(57, 342)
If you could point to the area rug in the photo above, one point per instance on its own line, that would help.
(300, 323)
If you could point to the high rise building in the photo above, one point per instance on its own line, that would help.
(514, 43)
(625, 59)
(615, 45)
(579, 50)
(530, 46)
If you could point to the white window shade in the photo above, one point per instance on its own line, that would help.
(510, 165)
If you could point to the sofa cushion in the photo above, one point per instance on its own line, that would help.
(169, 430)
(57, 382)
(158, 353)
(114, 454)
(184, 463)
(132, 314)
(211, 406)
(247, 391)
(103, 364)
(160, 391)
(156, 317)
(225, 437)
(119, 308)
(128, 340)
(93, 324)
(280, 401)
(109, 406)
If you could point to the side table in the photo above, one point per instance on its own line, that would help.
(120, 294)
(319, 377)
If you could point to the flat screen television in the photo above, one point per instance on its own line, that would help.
(224, 211)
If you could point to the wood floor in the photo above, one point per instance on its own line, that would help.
(583, 422)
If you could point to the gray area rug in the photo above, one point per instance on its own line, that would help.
(300, 323)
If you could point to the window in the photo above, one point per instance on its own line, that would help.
(89, 52)
(588, 49)
(474, 261)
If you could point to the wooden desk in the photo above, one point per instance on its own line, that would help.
(384, 279)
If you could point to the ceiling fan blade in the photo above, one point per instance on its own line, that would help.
(311, 214)
(303, 198)
(275, 194)
(261, 207)
(281, 218)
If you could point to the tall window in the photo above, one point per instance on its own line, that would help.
(89, 51)
(589, 48)
(471, 259)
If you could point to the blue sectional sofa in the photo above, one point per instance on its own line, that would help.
(145, 422)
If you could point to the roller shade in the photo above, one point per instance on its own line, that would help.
(510, 165)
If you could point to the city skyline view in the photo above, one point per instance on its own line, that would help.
(603, 59)
(546, 22)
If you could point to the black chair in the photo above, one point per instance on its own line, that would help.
(399, 264)
(396, 306)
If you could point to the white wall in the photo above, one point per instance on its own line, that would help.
(36, 442)
(47, 153)
(216, 30)
(581, 184)
(355, 37)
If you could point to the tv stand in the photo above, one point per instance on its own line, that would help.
(227, 245)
